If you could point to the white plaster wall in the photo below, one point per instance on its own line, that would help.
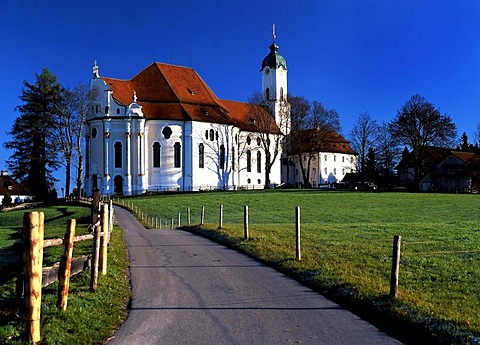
(211, 176)
(167, 176)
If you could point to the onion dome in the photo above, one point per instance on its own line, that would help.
(274, 59)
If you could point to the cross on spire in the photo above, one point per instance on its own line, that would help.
(273, 33)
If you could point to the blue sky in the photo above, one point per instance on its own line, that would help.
(353, 56)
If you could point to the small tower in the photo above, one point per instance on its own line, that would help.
(274, 85)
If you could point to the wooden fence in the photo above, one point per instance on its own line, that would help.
(157, 223)
(35, 277)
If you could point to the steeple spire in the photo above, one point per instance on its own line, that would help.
(95, 70)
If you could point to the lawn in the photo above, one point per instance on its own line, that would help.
(90, 317)
(347, 248)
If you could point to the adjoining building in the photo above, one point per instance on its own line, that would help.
(329, 164)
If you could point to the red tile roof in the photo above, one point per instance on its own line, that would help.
(9, 186)
(251, 117)
(170, 92)
(333, 142)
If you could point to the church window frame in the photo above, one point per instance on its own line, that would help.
(157, 148)
(259, 162)
(212, 135)
(117, 147)
(267, 93)
(177, 155)
(222, 157)
(281, 94)
(249, 161)
(201, 156)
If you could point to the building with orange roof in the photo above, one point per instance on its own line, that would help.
(329, 163)
(165, 129)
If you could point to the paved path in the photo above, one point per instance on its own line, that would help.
(189, 290)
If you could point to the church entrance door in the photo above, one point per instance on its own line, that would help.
(118, 185)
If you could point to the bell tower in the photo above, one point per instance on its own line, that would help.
(274, 85)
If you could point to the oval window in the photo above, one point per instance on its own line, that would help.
(167, 132)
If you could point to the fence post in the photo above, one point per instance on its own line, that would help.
(33, 229)
(220, 217)
(171, 224)
(66, 265)
(297, 232)
(246, 235)
(104, 240)
(202, 216)
(95, 259)
(397, 241)
(179, 218)
(188, 216)
(110, 219)
(95, 205)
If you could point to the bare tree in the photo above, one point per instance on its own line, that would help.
(363, 137)
(70, 122)
(218, 153)
(313, 130)
(419, 124)
(269, 129)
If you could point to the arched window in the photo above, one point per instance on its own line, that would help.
(249, 140)
(156, 155)
(281, 94)
(118, 154)
(118, 111)
(259, 162)
(177, 156)
(206, 134)
(216, 135)
(201, 156)
(106, 109)
(212, 134)
(267, 93)
(249, 161)
(222, 157)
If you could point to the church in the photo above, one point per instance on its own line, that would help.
(166, 130)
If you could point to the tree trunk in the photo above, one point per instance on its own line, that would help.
(68, 167)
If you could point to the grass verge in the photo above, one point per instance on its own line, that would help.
(91, 317)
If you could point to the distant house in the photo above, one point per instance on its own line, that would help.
(443, 170)
(329, 165)
(459, 172)
(8, 186)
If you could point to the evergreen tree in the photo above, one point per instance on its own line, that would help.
(35, 157)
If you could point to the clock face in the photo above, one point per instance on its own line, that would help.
(267, 71)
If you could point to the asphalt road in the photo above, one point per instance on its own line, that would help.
(189, 290)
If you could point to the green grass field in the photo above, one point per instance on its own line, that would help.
(90, 317)
(347, 247)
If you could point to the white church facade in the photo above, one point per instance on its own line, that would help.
(165, 129)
